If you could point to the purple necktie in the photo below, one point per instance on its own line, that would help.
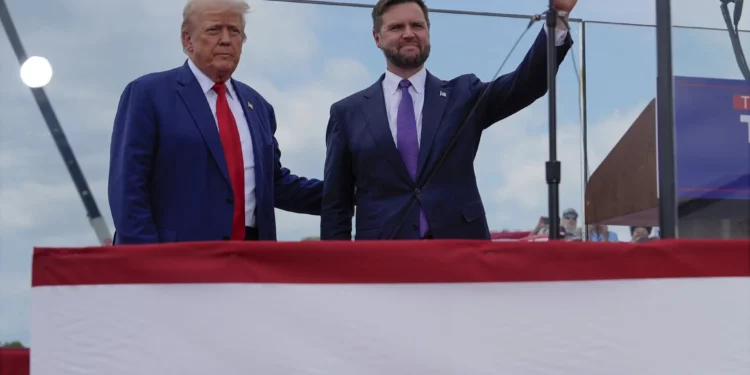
(407, 142)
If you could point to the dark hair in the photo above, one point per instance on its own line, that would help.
(383, 5)
(632, 229)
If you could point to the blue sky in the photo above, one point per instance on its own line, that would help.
(303, 58)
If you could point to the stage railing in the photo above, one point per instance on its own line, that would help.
(415, 307)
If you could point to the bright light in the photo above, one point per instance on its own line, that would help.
(36, 72)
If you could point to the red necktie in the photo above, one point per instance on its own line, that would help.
(230, 139)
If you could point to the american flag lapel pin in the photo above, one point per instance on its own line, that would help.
(443, 94)
(250, 105)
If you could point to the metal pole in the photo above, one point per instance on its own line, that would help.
(55, 129)
(595, 22)
(584, 126)
(665, 121)
(495, 14)
(553, 173)
(432, 10)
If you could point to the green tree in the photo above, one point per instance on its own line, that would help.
(13, 344)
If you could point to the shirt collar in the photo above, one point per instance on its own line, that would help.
(207, 84)
(391, 81)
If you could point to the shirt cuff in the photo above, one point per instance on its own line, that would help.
(560, 35)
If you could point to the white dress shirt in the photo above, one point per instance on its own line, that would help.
(247, 145)
(392, 92)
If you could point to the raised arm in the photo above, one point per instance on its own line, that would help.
(515, 91)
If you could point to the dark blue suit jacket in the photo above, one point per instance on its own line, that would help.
(364, 168)
(168, 177)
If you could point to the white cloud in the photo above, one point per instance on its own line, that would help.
(14, 313)
(18, 212)
(518, 154)
(603, 136)
(302, 111)
(29, 206)
(13, 286)
(302, 114)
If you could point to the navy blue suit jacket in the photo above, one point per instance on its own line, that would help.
(364, 168)
(168, 177)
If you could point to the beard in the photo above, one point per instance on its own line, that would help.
(570, 227)
(407, 61)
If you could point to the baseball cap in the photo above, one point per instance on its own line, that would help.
(570, 214)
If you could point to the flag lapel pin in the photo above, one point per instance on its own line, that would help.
(250, 105)
(443, 94)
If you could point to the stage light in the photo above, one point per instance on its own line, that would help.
(36, 72)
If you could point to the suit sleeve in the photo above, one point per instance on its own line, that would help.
(515, 91)
(293, 193)
(338, 190)
(131, 167)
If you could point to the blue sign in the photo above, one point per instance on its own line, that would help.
(712, 138)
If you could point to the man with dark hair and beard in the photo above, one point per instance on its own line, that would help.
(384, 142)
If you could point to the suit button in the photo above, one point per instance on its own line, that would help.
(416, 191)
(230, 200)
(414, 227)
(225, 238)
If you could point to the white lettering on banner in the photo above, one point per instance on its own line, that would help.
(745, 98)
(746, 119)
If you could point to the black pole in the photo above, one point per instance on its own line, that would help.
(58, 135)
(553, 165)
(665, 121)
(584, 132)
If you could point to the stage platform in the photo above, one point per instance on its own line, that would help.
(421, 307)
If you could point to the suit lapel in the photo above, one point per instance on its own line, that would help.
(195, 100)
(436, 97)
(377, 121)
(254, 124)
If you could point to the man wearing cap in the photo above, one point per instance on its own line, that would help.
(570, 223)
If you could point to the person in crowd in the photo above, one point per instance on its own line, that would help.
(640, 234)
(570, 223)
(388, 145)
(601, 233)
(542, 228)
(193, 153)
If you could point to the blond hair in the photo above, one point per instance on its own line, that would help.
(240, 7)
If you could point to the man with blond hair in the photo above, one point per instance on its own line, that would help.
(193, 154)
